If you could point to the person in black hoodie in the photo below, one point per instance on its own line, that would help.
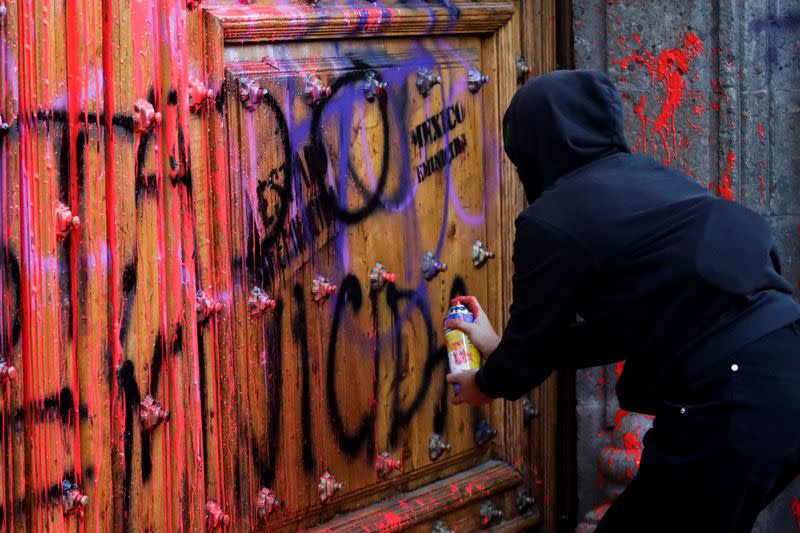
(620, 257)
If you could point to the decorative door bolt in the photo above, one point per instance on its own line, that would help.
(529, 411)
(431, 266)
(315, 90)
(440, 527)
(145, 117)
(327, 487)
(322, 289)
(206, 306)
(151, 413)
(7, 372)
(199, 95)
(65, 221)
(251, 94)
(480, 254)
(73, 499)
(522, 68)
(489, 512)
(267, 502)
(524, 499)
(426, 80)
(4, 126)
(436, 446)
(384, 464)
(475, 80)
(484, 432)
(373, 87)
(259, 303)
(379, 277)
(214, 515)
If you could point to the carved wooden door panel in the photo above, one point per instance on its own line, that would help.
(336, 166)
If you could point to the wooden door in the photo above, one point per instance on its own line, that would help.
(335, 153)
(184, 183)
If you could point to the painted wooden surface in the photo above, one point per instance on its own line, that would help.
(161, 234)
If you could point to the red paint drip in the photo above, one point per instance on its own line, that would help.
(762, 186)
(760, 129)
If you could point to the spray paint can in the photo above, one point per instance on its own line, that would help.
(461, 353)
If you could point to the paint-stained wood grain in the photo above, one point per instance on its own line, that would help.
(216, 201)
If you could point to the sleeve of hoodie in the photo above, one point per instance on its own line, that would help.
(550, 271)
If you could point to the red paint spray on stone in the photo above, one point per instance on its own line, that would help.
(725, 188)
(669, 69)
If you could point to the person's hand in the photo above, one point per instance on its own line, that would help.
(480, 332)
(466, 389)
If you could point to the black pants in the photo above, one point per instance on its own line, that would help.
(723, 449)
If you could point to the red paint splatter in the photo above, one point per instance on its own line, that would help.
(631, 441)
(796, 511)
(725, 189)
(669, 69)
(762, 186)
(621, 39)
(392, 520)
(639, 110)
(760, 129)
(698, 109)
(621, 413)
(719, 91)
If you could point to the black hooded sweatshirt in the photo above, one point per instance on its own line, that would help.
(659, 272)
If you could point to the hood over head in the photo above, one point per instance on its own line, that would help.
(560, 121)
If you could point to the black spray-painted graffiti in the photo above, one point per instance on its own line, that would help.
(282, 239)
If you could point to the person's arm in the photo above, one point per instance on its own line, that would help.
(550, 269)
